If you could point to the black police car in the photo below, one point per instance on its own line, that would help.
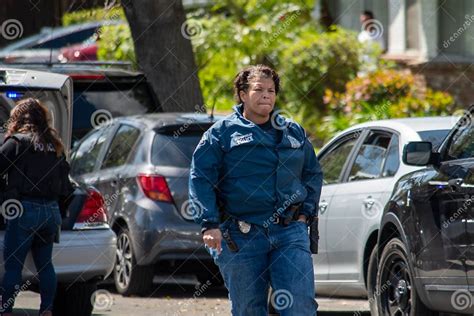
(426, 240)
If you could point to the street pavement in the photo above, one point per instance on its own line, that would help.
(181, 299)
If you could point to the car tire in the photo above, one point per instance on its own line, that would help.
(74, 299)
(129, 277)
(372, 290)
(399, 289)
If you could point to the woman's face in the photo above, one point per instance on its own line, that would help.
(260, 97)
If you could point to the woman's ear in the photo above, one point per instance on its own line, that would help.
(243, 96)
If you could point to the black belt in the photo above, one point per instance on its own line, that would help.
(290, 214)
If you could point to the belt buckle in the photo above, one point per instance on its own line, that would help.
(244, 227)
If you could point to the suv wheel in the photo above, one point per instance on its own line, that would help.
(130, 278)
(396, 292)
(74, 299)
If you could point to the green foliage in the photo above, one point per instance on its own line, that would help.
(235, 34)
(90, 15)
(116, 44)
(115, 40)
(383, 94)
(318, 67)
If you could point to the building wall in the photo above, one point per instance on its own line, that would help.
(430, 38)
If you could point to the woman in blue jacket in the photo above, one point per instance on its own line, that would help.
(255, 183)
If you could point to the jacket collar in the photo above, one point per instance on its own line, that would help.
(239, 111)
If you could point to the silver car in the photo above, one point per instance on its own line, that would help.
(361, 166)
(86, 252)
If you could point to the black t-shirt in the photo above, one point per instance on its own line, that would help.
(271, 130)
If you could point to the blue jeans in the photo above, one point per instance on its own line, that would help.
(34, 230)
(278, 256)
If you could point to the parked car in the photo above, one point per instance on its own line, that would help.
(141, 164)
(360, 167)
(86, 252)
(103, 91)
(86, 51)
(45, 46)
(426, 238)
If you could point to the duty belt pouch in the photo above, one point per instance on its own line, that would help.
(314, 235)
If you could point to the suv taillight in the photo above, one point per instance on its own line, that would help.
(155, 187)
(93, 213)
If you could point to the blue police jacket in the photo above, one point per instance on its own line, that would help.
(239, 169)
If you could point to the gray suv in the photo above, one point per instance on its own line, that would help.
(141, 165)
(86, 252)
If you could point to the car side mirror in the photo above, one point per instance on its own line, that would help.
(418, 153)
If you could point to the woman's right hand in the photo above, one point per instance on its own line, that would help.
(213, 239)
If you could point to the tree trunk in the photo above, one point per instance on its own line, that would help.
(163, 53)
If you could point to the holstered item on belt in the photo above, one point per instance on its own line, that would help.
(230, 243)
(314, 235)
(291, 214)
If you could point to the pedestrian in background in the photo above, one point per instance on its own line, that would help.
(33, 158)
(255, 184)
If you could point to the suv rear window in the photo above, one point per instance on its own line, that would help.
(120, 99)
(168, 150)
(435, 137)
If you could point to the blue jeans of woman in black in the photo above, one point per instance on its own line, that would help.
(34, 228)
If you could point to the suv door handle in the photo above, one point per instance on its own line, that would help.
(323, 206)
(369, 202)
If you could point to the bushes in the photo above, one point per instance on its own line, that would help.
(383, 94)
(318, 67)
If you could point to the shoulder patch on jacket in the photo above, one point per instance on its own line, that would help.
(239, 139)
(294, 142)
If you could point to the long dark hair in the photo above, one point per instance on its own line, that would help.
(30, 116)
